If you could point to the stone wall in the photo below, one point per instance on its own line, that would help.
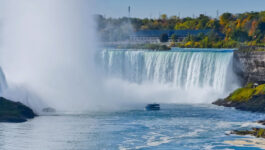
(250, 66)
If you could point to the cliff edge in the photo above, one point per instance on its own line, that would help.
(250, 66)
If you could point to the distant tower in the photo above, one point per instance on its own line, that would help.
(129, 11)
(217, 14)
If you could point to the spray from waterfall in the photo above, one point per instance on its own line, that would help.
(48, 51)
(48, 48)
(174, 76)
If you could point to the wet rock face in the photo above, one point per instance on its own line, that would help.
(248, 98)
(14, 111)
(250, 66)
(255, 104)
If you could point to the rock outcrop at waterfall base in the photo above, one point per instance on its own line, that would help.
(14, 112)
(249, 65)
(257, 132)
(249, 98)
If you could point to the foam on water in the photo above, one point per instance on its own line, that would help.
(190, 127)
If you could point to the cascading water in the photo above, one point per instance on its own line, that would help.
(3, 83)
(47, 53)
(202, 75)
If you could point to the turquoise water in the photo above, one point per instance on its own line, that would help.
(182, 127)
(206, 73)
(175, 77)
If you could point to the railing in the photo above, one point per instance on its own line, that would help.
(251, 48)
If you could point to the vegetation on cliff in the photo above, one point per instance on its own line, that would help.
(14, 111)
(155, 47)
(251, 48)
(210, 40)
(237, 29)
(249, 98)
(246, 93)
(257, 132)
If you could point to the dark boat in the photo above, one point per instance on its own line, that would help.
(152, 107)
(48, 110)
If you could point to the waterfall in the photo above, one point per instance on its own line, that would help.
(3, 83)
(207, 72)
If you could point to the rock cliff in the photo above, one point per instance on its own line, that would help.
(250, 66)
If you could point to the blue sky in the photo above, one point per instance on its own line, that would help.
(152, 8)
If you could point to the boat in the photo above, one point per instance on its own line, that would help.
(48, 110)
(151, 107)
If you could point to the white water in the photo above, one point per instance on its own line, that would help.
(181, 77)
(47, 54)
(47, 49)
(3, 83)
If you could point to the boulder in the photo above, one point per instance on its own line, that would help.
(14, 111)
(257, 132)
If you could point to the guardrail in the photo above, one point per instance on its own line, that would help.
(251, 48)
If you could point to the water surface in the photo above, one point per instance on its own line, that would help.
(174, 127)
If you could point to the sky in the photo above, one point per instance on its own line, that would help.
(182, 8)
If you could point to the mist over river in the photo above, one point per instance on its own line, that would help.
(186, 119)
(93, 98)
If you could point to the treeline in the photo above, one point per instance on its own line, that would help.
(246, 28)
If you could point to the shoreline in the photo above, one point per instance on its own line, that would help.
(249, 98)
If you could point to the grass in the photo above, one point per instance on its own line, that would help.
(246, 93)
(257, 132)
(261, 133)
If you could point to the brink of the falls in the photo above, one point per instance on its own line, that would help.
(49, 54)
(175, 76)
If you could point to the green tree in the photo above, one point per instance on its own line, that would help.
(240, 36)
(202, 22)
(261, 27)
(213, 24)
(225, 18)
(260, 32)
(174, 37)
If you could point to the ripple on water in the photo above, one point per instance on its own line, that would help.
(183, 126)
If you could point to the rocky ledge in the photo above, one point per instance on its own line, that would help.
(249, 98)
(257, 132)
(14, 112)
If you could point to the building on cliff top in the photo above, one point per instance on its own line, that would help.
(153, 36)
